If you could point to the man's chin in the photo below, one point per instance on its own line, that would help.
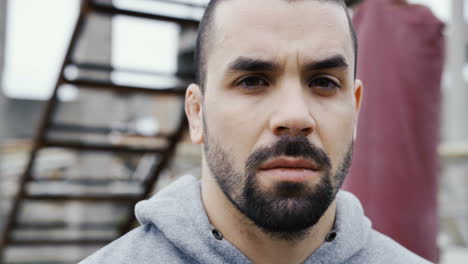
(286, 209)
(291, 190)
(290, 219)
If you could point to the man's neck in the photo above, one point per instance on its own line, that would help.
(258, 246)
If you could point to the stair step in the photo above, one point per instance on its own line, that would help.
(84, 198)
(57, 225)
(96, 84)
(78, 128)
(98, 67)
(75, 145)
(59, 242)
(86, 181)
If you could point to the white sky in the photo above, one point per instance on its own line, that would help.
(35, 45)
(441, 8)
(36, 42)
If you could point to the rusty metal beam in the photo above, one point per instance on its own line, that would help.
(77, 128)
(119, 198)
(91, 181)
(61, 225)
(95, 84)
(110, 10)
(91, 66)
(100, 147)
(59, 242)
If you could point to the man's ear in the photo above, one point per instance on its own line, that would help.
(358, 89)
(358, 92)
(194, 112)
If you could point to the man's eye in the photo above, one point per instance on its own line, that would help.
(325, 86)
(252, 82)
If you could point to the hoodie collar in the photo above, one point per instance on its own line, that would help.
(352, 229)
(178, 212)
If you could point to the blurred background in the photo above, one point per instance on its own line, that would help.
(91, 117)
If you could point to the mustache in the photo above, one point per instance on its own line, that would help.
(291, 146)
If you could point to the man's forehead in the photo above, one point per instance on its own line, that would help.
(270, 29)
(294, 14)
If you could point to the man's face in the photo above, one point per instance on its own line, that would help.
(279, 109)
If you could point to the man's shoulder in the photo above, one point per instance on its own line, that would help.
(145, 244)
(382, 249)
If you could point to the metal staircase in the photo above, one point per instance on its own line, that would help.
(153, 157)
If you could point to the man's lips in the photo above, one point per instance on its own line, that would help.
(289, 169)
(290, 163)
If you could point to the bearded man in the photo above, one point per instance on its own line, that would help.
(275, 107)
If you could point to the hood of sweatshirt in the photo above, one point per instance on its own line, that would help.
(177, 211)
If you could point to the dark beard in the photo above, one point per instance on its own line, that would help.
(289, 210)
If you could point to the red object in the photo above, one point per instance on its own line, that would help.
(395, 164)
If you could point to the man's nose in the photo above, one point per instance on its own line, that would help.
(292, 116)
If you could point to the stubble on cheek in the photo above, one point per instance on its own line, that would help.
(220, 165)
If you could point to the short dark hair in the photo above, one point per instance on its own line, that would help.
(205, 28)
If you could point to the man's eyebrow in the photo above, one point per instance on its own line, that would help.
(337, 61)
(246, 64)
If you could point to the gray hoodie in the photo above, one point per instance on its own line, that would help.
(175, 229)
